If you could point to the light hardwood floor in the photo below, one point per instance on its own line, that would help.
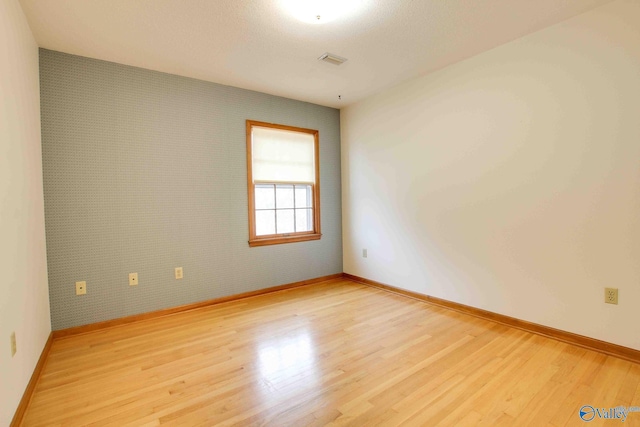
(335, 353)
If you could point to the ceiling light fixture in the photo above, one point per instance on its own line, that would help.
(322, 11)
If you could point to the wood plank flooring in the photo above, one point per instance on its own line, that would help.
(336, 353)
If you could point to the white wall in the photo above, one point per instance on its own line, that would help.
(24, 296)
(509, 181)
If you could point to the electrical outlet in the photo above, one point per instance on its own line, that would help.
(14, 346)
(364, 253)
(133, 279)
(179, 274)
(81, 288)
(611, 295)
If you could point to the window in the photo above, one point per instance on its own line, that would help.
(283, 178)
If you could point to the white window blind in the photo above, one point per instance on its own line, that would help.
(282, 156)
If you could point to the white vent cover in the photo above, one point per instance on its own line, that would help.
(331, 58)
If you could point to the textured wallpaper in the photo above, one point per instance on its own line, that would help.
(146, 171)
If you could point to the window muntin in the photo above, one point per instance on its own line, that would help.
(283, 184)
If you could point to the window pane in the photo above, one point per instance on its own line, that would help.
(265, 222)
(265, 196)
(285, 220)
(304, 220)
(303, 196)
(284, 196)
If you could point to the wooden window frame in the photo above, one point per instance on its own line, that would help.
(276, 239)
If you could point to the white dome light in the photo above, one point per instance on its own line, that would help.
(321, 11)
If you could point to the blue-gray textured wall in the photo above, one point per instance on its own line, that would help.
(145, 172)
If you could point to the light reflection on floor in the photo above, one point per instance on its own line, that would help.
(287, 363)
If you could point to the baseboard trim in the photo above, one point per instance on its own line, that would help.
(607, 348)
(28, 392)
(173, 310)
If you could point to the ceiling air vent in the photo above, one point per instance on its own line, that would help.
(332, 59)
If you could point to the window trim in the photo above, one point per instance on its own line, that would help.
(276, 239)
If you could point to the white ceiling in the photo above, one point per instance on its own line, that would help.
(256, 44)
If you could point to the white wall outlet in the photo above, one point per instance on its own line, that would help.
(133, 279)
(364, 253)
(14, 346)
(611, 295)
(179, 273)
(81, 288)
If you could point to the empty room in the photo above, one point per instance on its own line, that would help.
(311, 213)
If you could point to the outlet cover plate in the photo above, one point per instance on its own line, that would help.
(81, 288)
(611, 295)
(133, 279)
(14, 346)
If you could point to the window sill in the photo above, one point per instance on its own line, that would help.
(284, 239)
